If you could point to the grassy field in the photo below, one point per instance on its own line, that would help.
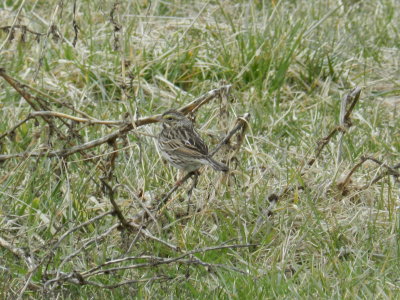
(277, 226)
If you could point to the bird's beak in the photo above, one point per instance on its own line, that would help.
(159, 118)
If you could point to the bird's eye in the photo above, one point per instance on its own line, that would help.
(170, 118)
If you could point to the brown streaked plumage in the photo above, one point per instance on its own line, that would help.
(182, 146)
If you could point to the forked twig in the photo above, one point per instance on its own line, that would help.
(30, 99)
(165, 198)
(389, 171)
(123, 130)
(203, 99)
(107, 267)
(354, 95)
(241, 124)
(20, 253)
(11, 131)
(117, 210)
(343, 185)
(41, 110)
(51, 251)
(155, 260)
(75, 26)
(14, 23)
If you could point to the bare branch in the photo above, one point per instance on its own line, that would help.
(343, 185)
(124, 129)
(389, 171)
(203, 99)
(241, 124)
(87, 244)
(12, 130)
(17, 252)
(92, 220)
(355, 96)
(75, 26)
(165, 198)
(66, 152)
(156, 260)
(30, 99)
(117, 210)
(10, 33)
(76, 278)
(73, 118)
(126, 282)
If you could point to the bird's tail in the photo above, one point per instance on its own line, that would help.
(217, 165)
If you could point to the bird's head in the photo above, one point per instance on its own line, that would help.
(173, 118)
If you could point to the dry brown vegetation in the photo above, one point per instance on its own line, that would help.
(299, 98)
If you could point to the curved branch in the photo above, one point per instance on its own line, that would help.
(122, 131)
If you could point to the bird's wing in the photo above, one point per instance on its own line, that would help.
(195, 141)
(179, 148)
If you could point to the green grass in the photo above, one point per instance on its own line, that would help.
(290, 64)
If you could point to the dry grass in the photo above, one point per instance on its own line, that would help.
(290, 64)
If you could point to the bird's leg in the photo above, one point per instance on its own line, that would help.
(180, 178)
(196, 174)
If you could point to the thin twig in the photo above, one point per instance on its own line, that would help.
(92, 220)
(113, 286)
(174, 188)
(76, 119)
(87, 244)
(355, 96)
(343, 106)
(52, 29)
(389, 171)
(51, 251)
(23, 28)
(203, 99)
(155, 260)
(343, 185)
(116, 27)
(31, 100)
(17, 252)
(59, 274)
(59, 115)
(75, 26)
(124, 129)
(13, 25)
(147, 234)
(241, 123)
(12, 130)
(76, 278)
(117, 210)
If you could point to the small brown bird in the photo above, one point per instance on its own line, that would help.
(182, 146)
